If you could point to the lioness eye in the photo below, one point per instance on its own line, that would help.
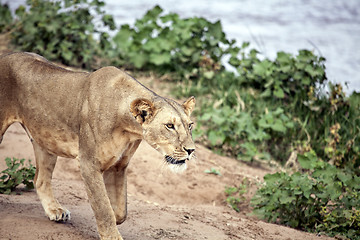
(191, 126)
(170, 126)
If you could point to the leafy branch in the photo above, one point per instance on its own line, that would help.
(16, 173)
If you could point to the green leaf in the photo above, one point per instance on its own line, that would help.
(298, 75)
(67, 55)
(278, 126)
(266, 93)
(245, 45)
(215, 30)
(213, 171)
(283, 58)
(269, 83)
(305, 80)
(138, 60)
(294, 223)
(123, 37)
(287, 199)
(234, 61)
(153, 13)
(263, 68)
(160, 59)
(174, 17)
(15, 166)
(209, 74)
(305, 162)
(310, 69)
(334, 190)
(20, 11)
(109, 21)
(279, 93)
(187, 51)
(286, 69)
(272, 178)
(345, 178)
(216, 137)
(8, 162)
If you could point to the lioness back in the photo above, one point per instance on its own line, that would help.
(32, 87)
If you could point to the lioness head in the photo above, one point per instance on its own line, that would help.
(167, 127)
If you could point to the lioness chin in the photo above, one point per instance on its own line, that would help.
(98, 117)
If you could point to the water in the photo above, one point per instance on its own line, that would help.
(329, 28)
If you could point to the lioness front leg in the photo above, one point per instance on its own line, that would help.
(99, 201)
(45, 164)
(115, 181)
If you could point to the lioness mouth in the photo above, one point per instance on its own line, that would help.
(173, 160)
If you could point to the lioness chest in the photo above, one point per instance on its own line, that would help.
(57, 141)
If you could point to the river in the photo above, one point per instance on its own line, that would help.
(329, 28)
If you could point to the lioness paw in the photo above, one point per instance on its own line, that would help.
(59, 215)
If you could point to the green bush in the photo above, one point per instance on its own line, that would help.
(235, 195)
(16, 173)
(189, 48)
(62, 30)
(324, 199)
(237, 132)
(6, 18)
(287, 77)
(272, 110)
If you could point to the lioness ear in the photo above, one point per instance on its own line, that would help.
(142, 109)
(189, 105)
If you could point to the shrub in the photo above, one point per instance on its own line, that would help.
(62, 30)
(6, 18)
(235, 195)
(189, 48)
(238, 132)
(324, 199)
(287, 77)
(16, 173)
(265, 110)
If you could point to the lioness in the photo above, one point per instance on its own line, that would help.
(98, 117)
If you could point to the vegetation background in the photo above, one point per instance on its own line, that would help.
(272, 111)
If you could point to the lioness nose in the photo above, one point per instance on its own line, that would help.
(189, 151)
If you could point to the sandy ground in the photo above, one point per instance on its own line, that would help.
(162, 205)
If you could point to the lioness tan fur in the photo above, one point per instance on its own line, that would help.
(99, 118)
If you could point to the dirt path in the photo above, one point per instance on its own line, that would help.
(162, 205)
